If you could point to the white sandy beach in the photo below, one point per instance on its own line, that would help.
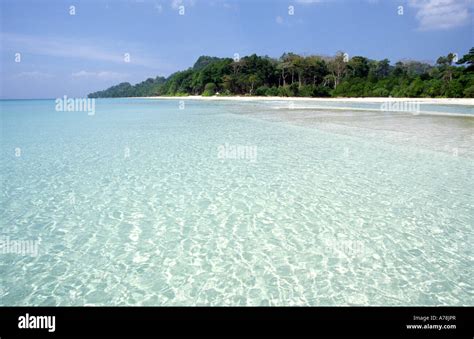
(436, 101)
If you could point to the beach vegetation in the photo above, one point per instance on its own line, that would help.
(294, 75)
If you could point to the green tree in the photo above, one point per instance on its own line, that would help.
(358, 67)
(337, 67)
(295, 75)
(209, 89)
(468, 59)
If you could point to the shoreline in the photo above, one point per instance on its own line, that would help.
(435, 101)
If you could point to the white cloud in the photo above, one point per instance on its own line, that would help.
(159, 8)
(441, 14)
(176, 3)
(228, 5)
(307, 2)
(105, 75)
(224, 4)
(72, 48)
(279, 20)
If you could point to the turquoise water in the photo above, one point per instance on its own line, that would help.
(136, 205)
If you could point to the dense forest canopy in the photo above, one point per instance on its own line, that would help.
(310, 76)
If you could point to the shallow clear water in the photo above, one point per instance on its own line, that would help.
(136, 205)
(418, 107)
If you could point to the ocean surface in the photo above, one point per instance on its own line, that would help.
(186, 202)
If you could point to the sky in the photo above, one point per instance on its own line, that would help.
(49, 49)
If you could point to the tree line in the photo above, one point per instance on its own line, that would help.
(310, 76)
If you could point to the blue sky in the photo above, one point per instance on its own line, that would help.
(73, 55)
